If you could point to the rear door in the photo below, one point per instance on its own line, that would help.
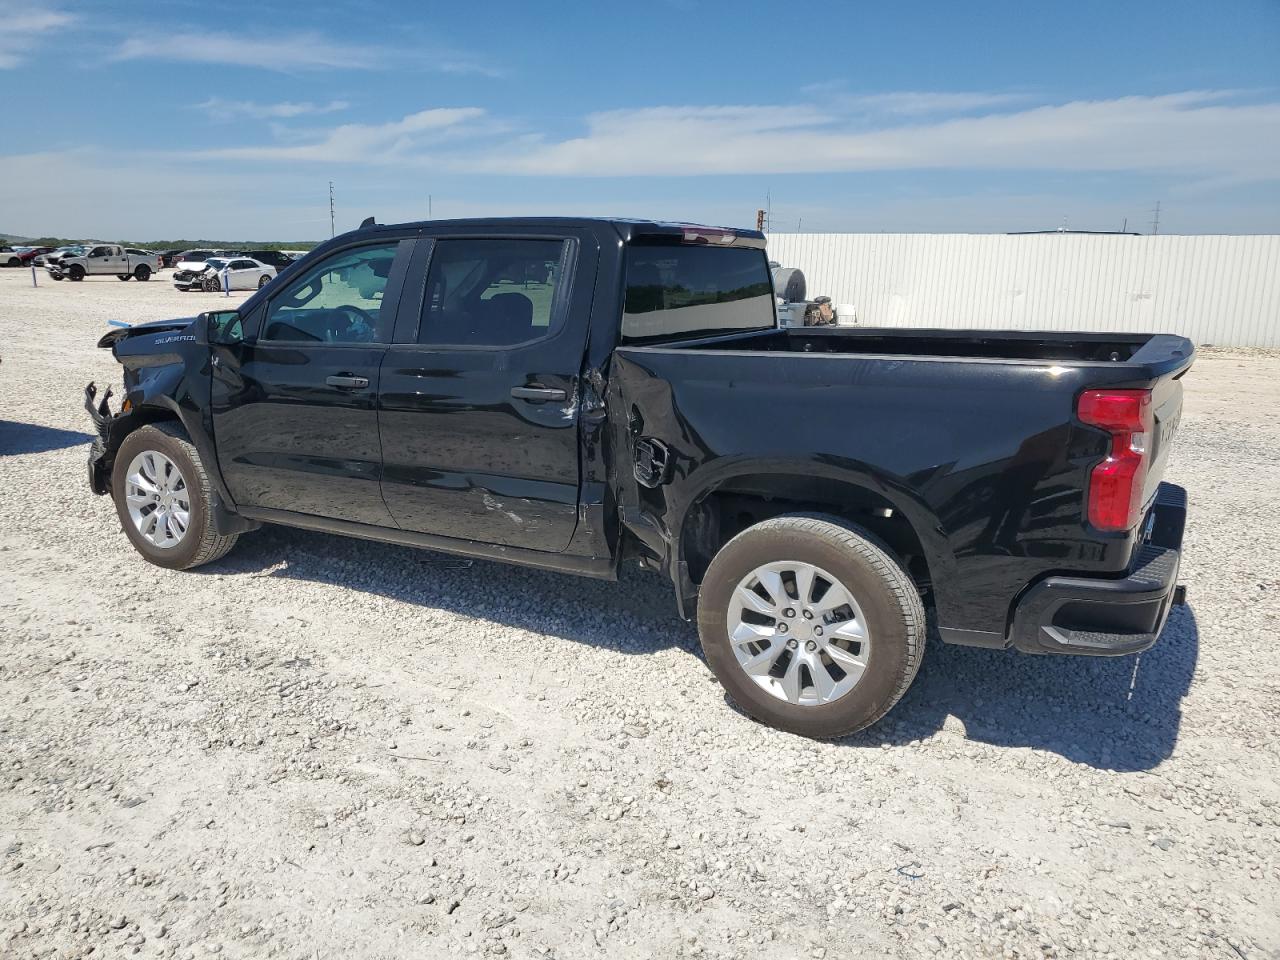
(480, 394)
(295, 405)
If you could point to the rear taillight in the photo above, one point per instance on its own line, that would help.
(1116, 484)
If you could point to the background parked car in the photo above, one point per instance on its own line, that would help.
(10, 257)
(29, 254)
(276, 258)
(194, 259)
(243, 273)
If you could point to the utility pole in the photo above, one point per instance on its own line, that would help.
(332, 231)
(1155, 220)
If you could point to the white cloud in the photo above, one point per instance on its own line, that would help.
(1190, 133)
(916, 103)
(303, 51)
(398, 141)
(22, 27)
(292, 52)
(221, 109)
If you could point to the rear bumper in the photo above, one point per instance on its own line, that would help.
(1102, 617)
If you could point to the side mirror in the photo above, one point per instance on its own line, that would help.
(221, 327)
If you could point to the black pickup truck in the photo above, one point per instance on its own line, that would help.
(576, 393)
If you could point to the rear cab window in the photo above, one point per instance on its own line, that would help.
(678, 291)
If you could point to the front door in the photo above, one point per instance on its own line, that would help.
(295, 405)
(479, 418)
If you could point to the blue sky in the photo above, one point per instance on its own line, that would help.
(228, 120)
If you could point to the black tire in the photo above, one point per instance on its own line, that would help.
(122, 276)
(202, 544)
(143, 273)
(14, 262)
(76, 272)
(57, 277)
(263, 281)
(212, 285)
(888, 598)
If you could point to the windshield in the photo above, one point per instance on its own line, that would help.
(216, 263)
(684, 290)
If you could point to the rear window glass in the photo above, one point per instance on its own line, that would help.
(678, 291)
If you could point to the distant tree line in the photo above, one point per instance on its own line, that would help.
(179, 244)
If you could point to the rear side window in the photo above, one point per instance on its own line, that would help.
(680, 291)
(491, 292)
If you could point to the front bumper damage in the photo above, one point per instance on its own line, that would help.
(102, 450)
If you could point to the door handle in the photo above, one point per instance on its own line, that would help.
(347, 382)
(538, 393)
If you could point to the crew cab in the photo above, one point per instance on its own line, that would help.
(574, 394)
(105, 259)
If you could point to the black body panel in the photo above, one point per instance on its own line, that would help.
(573, 452)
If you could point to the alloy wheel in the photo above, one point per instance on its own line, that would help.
(158, 500)
(798, 632)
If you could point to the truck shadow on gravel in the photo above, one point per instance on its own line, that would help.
(1118, 714)
(1111, 713)
(18, 438)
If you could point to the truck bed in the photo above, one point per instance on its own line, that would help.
(1160, 350)
(972, 436)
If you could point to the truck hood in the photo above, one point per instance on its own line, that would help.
(112, 337)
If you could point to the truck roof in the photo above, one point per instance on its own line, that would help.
(628, 229)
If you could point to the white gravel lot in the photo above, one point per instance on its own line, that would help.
(320, 747)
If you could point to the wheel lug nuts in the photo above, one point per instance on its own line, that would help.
(808, 614)
(788, 612)
(792, 644)
(817, 631)
(782, 628)
(811, 646)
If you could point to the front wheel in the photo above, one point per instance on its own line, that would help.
(122, 276)
(77, 272)
(143, 273)
(811, 625)
(163, 497)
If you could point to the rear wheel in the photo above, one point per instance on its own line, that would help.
(76, 272)
(811, 625)
(163, 497)
(143, 273)
(13, 262)
(263, 281)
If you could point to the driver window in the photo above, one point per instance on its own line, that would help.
(339, 300)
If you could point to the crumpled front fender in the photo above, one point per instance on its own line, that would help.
(103, 448)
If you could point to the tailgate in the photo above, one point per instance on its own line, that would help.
(1166, 358)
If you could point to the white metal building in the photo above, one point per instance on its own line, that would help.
(1223, 290)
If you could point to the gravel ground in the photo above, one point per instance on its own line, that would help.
(319, 747)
